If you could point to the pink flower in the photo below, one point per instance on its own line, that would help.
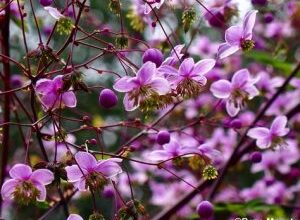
(142, 85)
(272, 137)
(88, 172)
(52, 95)
(237, 92)
(74, 217)
(26, 185)
(238, 37)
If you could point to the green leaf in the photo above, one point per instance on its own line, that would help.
(267, 58)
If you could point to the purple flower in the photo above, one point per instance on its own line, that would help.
(52, 95)
(170, 150)
(238, 37)
(237, 92)
(88, 172)
(140, 87)
(26, 185)
(189, 70)
(272, 137)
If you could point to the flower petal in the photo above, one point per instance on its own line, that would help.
(54, 12)
(81, 184)
(74, 173)
(42, 190)
(233, 35)
(263, 143)
(146, 73)
(231, 109)
(203, 66)
(248, 24)
(221, 89)
(240, 78)
(69, 99)
(186, 67)
(159, 155)
(124, 84)
(160, 85)
(44, 86)
(109, 168)
(129, 104)
(42, 176)
(8, 188)
(86, 160)
(20, 172)
(226, 50)
(258, 133)
(278, 126)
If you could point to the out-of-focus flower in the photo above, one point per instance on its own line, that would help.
(74, 217)
(238, 37)
(144, 84)
(88, 172)
(54, 12)
(272, 137)
(26, 186)
(237, 92)
(52, 95)
(151, 4)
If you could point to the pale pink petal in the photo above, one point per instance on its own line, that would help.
(124, 84)
(258, 132)
(44, 86)
(233, 35)
(54, 12)
(42, 190)
(263, 143)
(231, 109)
(186, 67)
(129, 104)
(226, 50)
(221, 89)
(278, 126)
(160, 85)
(252, 91)
(58, 82)
(8, 188)
(248, 24)
(146, 73)
(42, 176)
(203, 66)
(69, 99)
(86, 160)
(74, 173)
(81, 184)
(202, 80)
(20, 172)
(159, 155)
(109, 168)
(240, 78)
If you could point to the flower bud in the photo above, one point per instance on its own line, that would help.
(108, 98)
(153, 55)
(205, 209)
(256, 157)
(46, 2)
(163, 137)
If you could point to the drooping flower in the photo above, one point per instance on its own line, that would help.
(52, 95)
(54, 12)
(237, 92)
(272, 137)
(238, 37)
(26, 186)
(142, 86)
(90, 173)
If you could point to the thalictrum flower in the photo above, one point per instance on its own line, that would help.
(26, 186)
(88, 172)
(74, 217)
(238, 37)
(52, 95)
(170, 150)
(142, 86)
(237, 92)
(272, 137)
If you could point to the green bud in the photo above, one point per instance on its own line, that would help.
(96, 216)
(209, 172)
(64, 26)
(188, 18)
(115, 7)
(121, 41)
